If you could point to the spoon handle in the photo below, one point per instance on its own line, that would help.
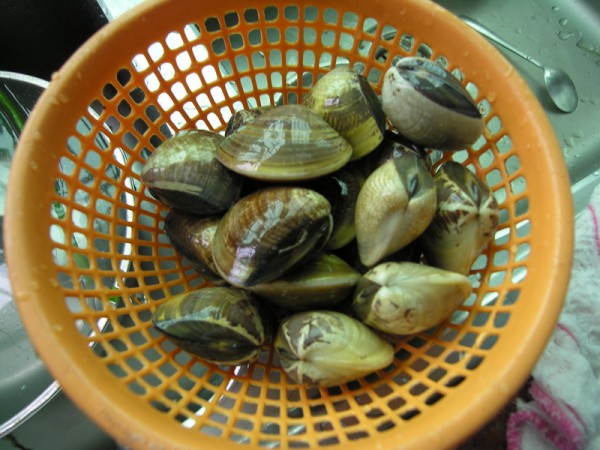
(485, 31)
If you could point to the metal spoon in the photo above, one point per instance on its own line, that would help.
(559, 85)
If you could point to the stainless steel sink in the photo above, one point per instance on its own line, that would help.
(564, 33)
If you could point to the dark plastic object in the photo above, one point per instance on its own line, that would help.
(38, 36)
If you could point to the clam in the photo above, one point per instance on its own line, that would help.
(465, 220)
(269, 232)
(322, 282)
(341, 188)
(394, 146)
(192, 237)
(285, 143)
(184, 173)
(243, 117)
(221, 325)
(349, 253)
(327, 348)
(429, 106)
(393, 208)
(405, 298)
(347, 102)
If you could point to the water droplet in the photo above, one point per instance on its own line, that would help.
(555, 8)
(57, 327)
(596, 173)
(563, 21)
(63, 98)
(34, 165)
(569, 141)
(588, 46)
(564, 35)
(23, 296)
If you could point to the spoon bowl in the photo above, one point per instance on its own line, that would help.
(560, 88)
(559, 85)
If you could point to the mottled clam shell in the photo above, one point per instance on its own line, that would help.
(465, 220)
(395, 205)
(327, 348)
(341, 188)
(394, 146)
(406, 298)
(428, 105)
(347, 102)
(322, 282)
(243, 117)
(221, 325)
(192, 236)
(269, 232)
(184, 173)
(286, 143)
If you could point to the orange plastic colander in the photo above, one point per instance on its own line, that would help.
(89, 261)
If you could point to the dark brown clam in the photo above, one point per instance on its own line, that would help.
(322, 282)
(192, 237)
(341, 188)
(411, 252)
(269, 232)
(222, 325)
(394, 146)
(285, 143)
(184, 173)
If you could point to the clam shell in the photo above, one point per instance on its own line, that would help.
(405, 298)
(347, 102)
(184, 173)
(327, 348)
(192, 236)
(286, 143)
(410, 252)
(322, 282)
(395, 205)
(428, 105)
(394, 146)
(341, 188)
(243, 117)
(222, 325)
(269, 232)
(465, 220)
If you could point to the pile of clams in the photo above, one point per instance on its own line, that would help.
(321, 232)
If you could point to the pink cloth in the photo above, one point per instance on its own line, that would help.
(565, 411)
